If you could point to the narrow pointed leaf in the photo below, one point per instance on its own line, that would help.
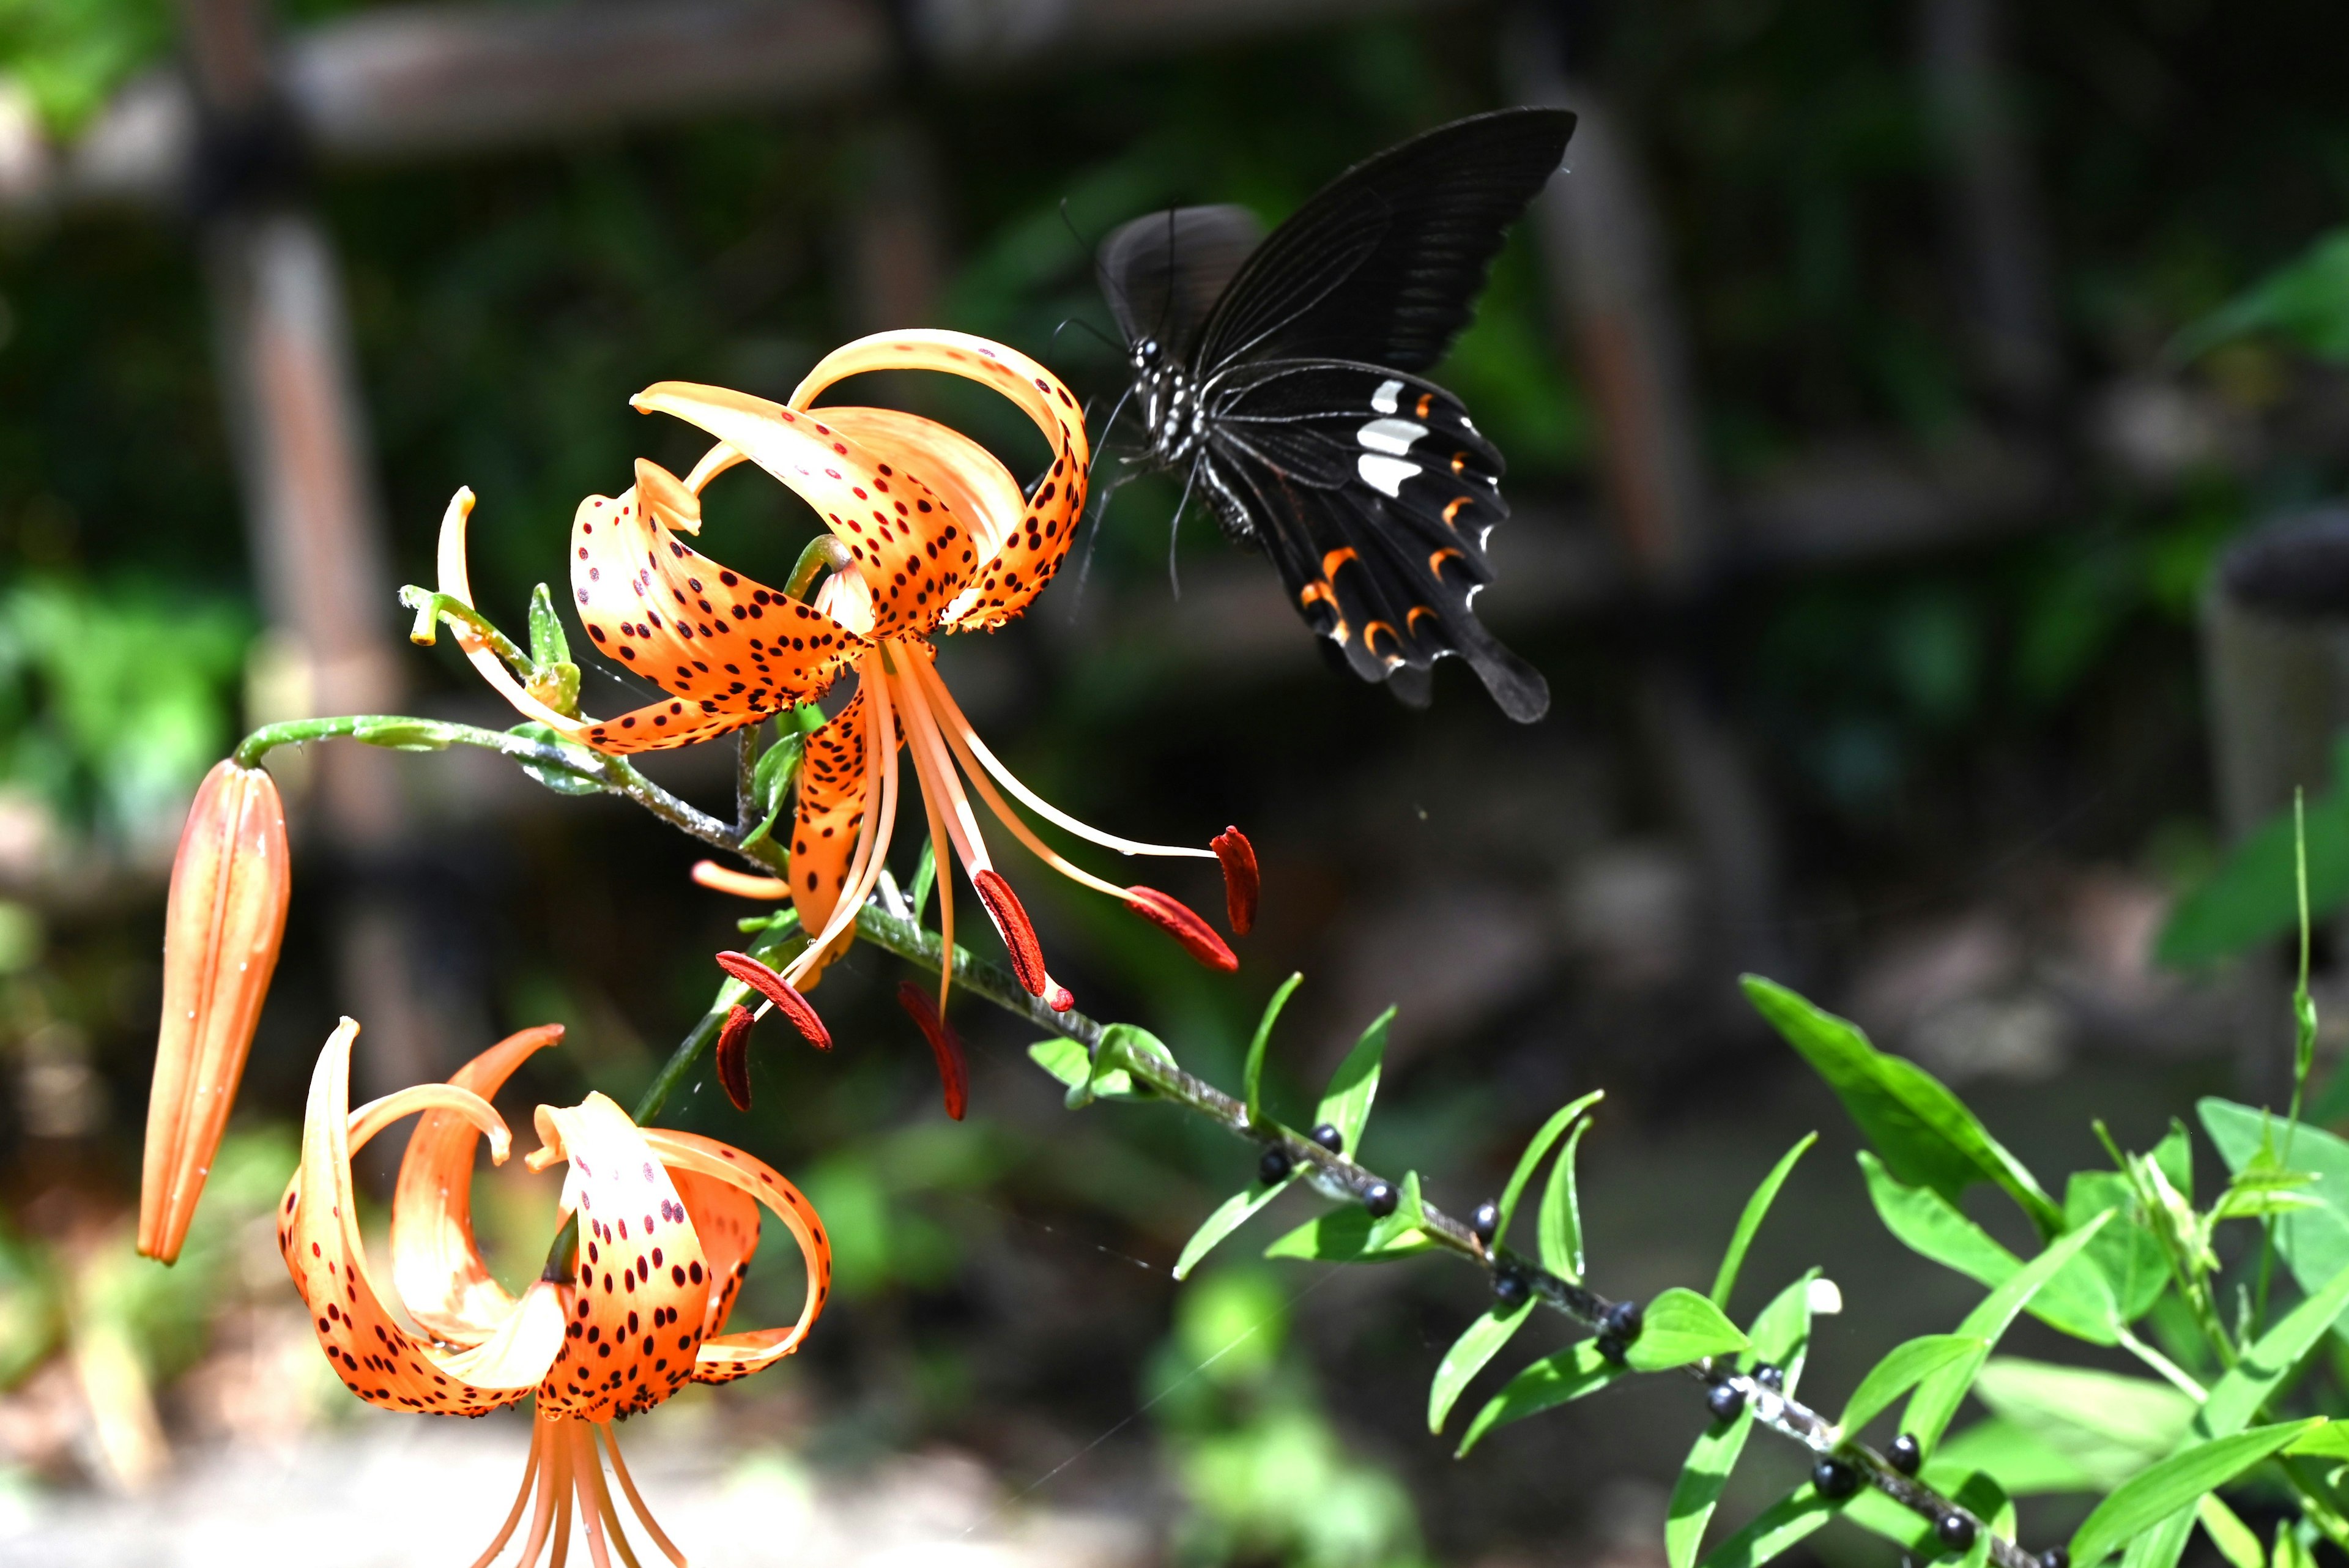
(1355, 1085)
(1254, 1072)
(1409, 1212)
(1478, 1344)
(1549, 1383)
(1780, 1336)
(1774, 1531)
(1924, 1132)
(1530, 1160)
(2173, 1484)
(1902, 1368)
(2079, 1300)
(1237, 1210)
(1679, 1326)
(1343, 1236)
(1561, 1220)
(1937, 1398)
(1757, 1208)
(2233, 1538)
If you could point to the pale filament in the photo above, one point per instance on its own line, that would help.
(970, 744)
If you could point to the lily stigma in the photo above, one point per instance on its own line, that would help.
(668, 1222)
(930, 534)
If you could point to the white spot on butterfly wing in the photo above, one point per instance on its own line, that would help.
(1395, 436)
(1384, 399)
(1385, 474)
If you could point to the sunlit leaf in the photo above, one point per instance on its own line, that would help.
(1780, 1337)
(2173, 1484)
(1530, 1160)
(1757, 1208)
(1255, 1071)
(1902, 1368)
(1558, 1227)
(1773, 1532)
(1679, 1326)
(1549, 1383)
(2079, 1300)
(1346, 1105)
(1938, 1397)
(1478, 1344)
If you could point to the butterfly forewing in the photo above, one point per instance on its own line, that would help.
(1163, 274)
(1385, 264)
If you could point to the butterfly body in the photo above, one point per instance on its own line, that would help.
(1283, 380)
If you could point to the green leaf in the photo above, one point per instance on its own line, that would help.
(1408, 1219)
(1347, 1104)
(2023, 1462)
(2254, 895)
(1478, 1344)
(771, 785)
(1550, 1382)
(1343, 1236)
(2079, 1301)
(1925, 1133)
(926, 877)
(547, 643)
(1559, 1224)
(2109, 1425)
(1678, 1327)
(1530, 1160)
(1237, 1210)
(2136, 1269)
(2173, 1484)
(2306, 301)
(2161, 1546)
(2313, 1242)
(2330, 1441)
(1122, 1045)
(1757, 1208)
(397, 733)
(2231, 1535)
(1780, 1336)
(1938, 1397)
(557, 779)
(1774, 1531)
(1902, 1368)
(2235, 1399)
(1255, 1073)
(1064, 1059)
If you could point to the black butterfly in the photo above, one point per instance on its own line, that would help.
(1285, 376)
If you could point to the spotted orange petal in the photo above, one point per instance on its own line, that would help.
(319, 1234)
(642, 1289)
(728, 650)
(435, 1267)
(906, 540)
(833, 794)
(1029, 553)
(724, 1357)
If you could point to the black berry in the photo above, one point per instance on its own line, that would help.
(1621, 1321)
(1834, 1480)
(1274, 1166)
(1329, 1137)
(1725, 1401)
(1510, 1287)
(2055, 1557)
(1774, 1378)
(1905, 1455)
(1956, 1531)
(1482, 1223)
(1378, 1197)
(1610, 1349)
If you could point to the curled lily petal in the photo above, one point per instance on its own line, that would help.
(455, 580)
(1017, 569)
(643, 1285)
(435, 1266)
(724, 1357)
(227, 917)
(319, 1234)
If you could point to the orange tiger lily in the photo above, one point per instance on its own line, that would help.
(937, 537)
(668, 1221)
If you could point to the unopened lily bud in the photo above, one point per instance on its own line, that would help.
(221, 935)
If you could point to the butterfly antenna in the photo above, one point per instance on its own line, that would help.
(1174, 533)
(1104, 338)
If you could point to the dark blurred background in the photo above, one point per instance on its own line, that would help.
(1864, 515)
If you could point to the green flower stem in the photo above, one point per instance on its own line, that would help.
(680, 1062)
(824, 550)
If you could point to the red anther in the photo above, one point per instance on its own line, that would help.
(1018, 936)
(1063, 999)
(1196, 936)
(946, 1045)
(1241, 882)
(778, 990)
(734, 1056)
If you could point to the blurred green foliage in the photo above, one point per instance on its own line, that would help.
(1270, 1477)
(115, 698)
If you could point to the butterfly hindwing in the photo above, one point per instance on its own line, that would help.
(1385, 264)
(1374, 494)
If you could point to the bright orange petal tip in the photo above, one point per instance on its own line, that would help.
(734, 1056)
(946, 1045)
(740, 884)
(221, 934)
(778, 991)
(1241, 882)
(1198, 937)
(1018, 933)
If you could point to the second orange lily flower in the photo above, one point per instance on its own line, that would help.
(937, 537)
